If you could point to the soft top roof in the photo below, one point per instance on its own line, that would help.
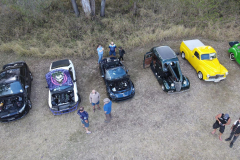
(192, 44)
(165, 52)
(60, 63)
(58, 77)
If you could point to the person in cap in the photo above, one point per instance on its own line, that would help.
(84, 118)
(112, 49)
(94, 99)
(121, 53)
(107, 109)
(234, 133)
(221, 121)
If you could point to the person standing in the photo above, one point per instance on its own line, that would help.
(107, 109)
(234, 133)
(221, 121)
(100, 53)
(121, 53)
(94, 99)
(84, 118)
(112, 49)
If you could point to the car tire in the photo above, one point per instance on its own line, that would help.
(200, 75)
(29, 104)
(231, 56)
(183, 55)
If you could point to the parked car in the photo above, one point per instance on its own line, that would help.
(165, 66)
(204, 60)
(15, 90)
(62, 83)
(118, 83)
(234, 51)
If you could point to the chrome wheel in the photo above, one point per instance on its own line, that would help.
(231, 56)
(183, 55)
(200, 75)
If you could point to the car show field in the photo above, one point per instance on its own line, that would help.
(151, 125)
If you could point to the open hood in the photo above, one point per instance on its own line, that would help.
(58, 77)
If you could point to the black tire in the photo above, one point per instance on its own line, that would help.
(183, 55)
(200, 75)
(231, 56)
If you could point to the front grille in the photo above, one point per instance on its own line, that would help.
(178, 86)
(216, 77)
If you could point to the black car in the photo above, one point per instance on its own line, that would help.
(165, 66)
(15, 89)
(118, 84)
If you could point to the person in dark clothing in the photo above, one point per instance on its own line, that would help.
(121, 53)
(235, 132)
(84, 118)
(221, 121)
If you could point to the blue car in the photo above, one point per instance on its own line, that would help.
(118, 83)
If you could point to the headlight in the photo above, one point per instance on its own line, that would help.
(226, 73)
(112, 95)
(184, 82)
(208, 76)
(172, 85)
(114, 89)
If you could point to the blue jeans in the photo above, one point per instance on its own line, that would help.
(100, 57)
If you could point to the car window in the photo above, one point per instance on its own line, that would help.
(196, 54)
(10, 88)
(209, 56)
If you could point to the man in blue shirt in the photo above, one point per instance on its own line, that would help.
(107, 109)
(112, 49)
(84, 118)
(100, 53)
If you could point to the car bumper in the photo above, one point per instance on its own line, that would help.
(122, 98)
(60, 111)
(215, 79)
(14, 115)
(174, 91)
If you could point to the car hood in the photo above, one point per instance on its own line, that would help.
(212, 65)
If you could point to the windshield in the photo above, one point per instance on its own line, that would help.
(208, 56)
(115, 73)
(61, 88)
(11, 88)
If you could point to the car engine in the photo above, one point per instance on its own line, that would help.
(119, 85)
(11, 103)
(62, 98)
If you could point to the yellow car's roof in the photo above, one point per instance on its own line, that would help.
(205, 49)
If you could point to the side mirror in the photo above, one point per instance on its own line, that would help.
(26, 87)
(102, 76)
(75, 80)
(127, 70)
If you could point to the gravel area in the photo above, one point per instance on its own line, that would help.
(152, 125)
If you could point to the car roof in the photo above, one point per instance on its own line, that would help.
(60, 63)
(9, 75)
(165, 52)
(192, 44)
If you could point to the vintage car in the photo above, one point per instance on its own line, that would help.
(165, 66)
(62, 83)
(234, 51)
(118, 83)
(204, 60)
(15, 90)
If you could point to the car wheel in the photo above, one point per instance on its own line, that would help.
(163, 87)
(231, 56)
(200, 75)
(29, 104)
(183, 55)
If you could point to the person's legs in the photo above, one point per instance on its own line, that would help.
(98, 105)
(110, 115)
(86, 127)
(230, 137)
(99, 58)
(93, 104)
(234, 139)
(221, 130)
(214, 131)
(215, 126)
(107, 118)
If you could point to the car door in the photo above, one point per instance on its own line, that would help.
(238, 53)
(195, 58)
(147, 59)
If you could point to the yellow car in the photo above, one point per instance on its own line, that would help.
(204, 60)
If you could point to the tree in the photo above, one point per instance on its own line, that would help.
(102, 13)
(75, 8)
(86, 7)
(92, 3)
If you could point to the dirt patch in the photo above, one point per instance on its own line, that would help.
(151, 125)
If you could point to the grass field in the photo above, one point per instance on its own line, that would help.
(152, 125)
